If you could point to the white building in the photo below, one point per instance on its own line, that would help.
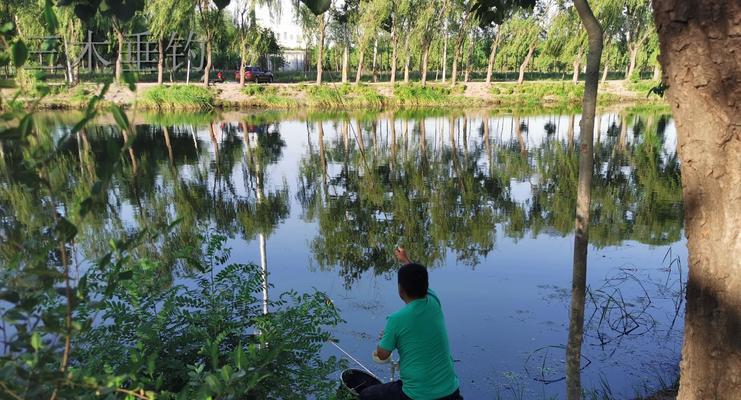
(290, 36)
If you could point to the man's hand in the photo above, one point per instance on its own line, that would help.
(401, 254)
(381, 355)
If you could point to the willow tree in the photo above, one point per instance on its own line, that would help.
(210, 21)
(118, 12)
(637, 26)
(342, 18)
(465, 20)
(161, 24)
(699, 55)
(372, 15)
(423, 32)
(523, 36)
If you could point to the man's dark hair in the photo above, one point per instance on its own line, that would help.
(413, 279)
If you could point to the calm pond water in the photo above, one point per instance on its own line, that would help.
(485, 199)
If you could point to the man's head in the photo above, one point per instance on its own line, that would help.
(412, 282)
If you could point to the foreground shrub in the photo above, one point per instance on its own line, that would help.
(178, 97)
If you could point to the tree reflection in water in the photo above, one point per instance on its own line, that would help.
(439, 183)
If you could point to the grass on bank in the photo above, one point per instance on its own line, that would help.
(412, 94)
(178, 97)
(268, 96)
(344, 95)
(533, 93)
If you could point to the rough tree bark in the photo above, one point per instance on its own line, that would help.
(524, 64)
(583, 200)
(699, 43)
(492, 57)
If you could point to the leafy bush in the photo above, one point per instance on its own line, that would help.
(530, 93)
(344, 95)
(178, 97)
(416, 94)
(642, 87)
(112, 326)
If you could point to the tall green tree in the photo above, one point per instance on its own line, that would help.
(163, 24)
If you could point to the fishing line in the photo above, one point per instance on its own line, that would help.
(353, 358)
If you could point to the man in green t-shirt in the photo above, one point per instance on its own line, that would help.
(418, 333)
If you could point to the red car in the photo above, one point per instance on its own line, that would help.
(255, 74)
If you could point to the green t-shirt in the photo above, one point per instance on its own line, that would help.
(418, 332)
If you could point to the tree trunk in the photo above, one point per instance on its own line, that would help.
(373, 64)
(525, 63)
(657, 72)
(492, 57)
(445, 50)
(320, 51)
(469, 58)
(345, 62)
(406, 67)
(699, 42)
(583, 200)
(119, 61)
(576, 64)
(632, 63)
(425, 57)
(459, 42)
(160, 61)
(360, 67)
(604, 73)
(394, 48)
(570, 132)
(242, 66)
(207, 69)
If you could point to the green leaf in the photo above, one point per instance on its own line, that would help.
(317, 6)
(120, 117)
(221, 4)
(36, 341)
(66, 230)
(125, 275)
(6, 27)
(130, 80)
(20, 53)
(50, 18)
(10, 296)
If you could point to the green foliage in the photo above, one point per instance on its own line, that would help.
(208, 337)
(111, 329)
(178, 97)
(414, 94)
(642, 87)
(335, 96)
(539, 93)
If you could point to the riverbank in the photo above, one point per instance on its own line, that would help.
(150, 96)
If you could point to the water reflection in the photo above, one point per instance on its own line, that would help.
(450, 187)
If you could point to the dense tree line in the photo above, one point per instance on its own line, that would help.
(445, 40)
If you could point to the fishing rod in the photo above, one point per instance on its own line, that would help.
(353, 358)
